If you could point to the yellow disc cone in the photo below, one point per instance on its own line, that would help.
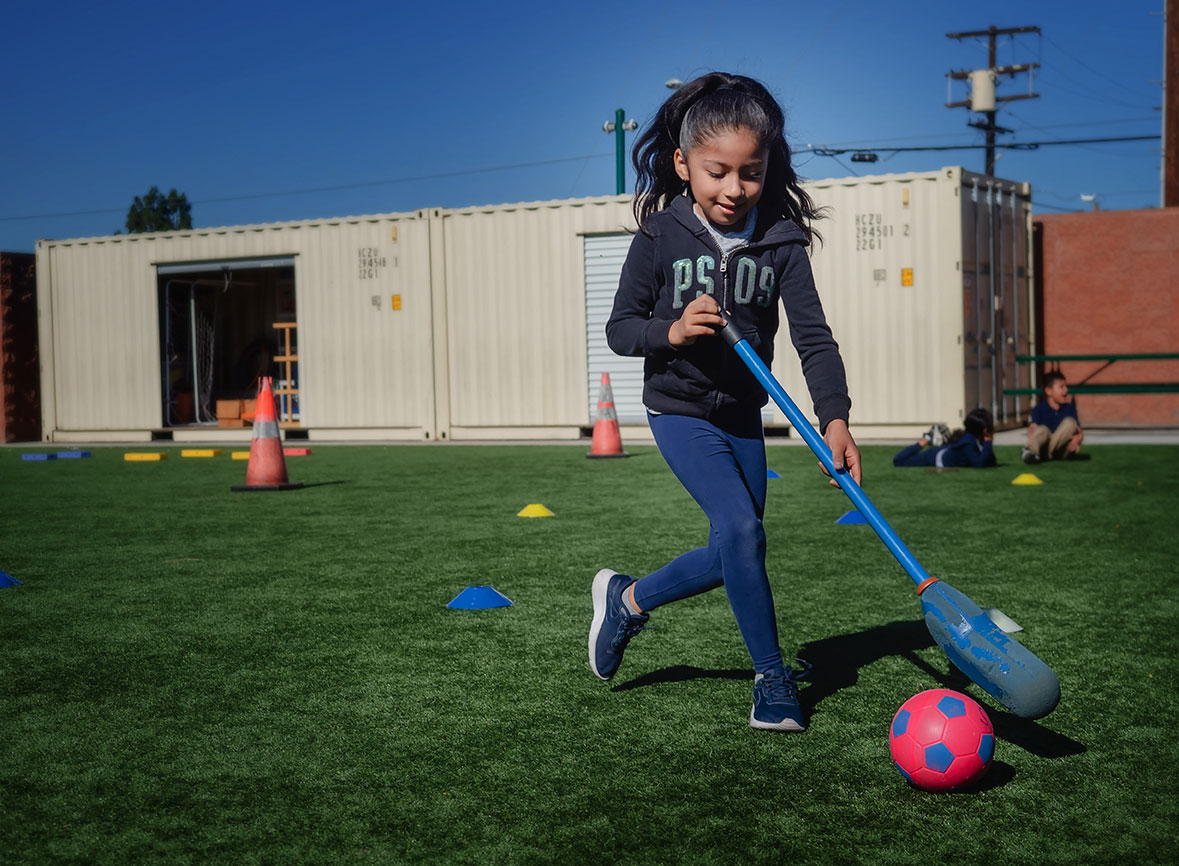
(1027, 478)
(535, 510)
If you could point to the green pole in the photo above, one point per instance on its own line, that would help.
(618, 127)
(619, 152)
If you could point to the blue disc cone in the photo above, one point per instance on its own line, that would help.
(770, 473)
(8, 580)
(852, 516)
(478, 598)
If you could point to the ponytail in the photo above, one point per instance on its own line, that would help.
(701, 109)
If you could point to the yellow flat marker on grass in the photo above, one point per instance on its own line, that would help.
(535, 510)
(201, 452)
(145, 456)
(1026, 478)
(240, 455)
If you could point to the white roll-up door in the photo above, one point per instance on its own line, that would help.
(604, 255)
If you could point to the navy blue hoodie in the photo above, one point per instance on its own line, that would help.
(673, 260)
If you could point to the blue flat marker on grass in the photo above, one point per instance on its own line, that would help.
(38, 457)
(7, 579)
(479, 598)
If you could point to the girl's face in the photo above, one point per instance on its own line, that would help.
(726, 174)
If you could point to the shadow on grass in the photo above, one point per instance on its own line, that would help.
(243, 488)
(997, 775)
(1033, 737)
(837, 661)
(681, 674)
(835, 665)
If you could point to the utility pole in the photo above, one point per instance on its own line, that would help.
(982, 84)
(619, 126)
(1171, 104)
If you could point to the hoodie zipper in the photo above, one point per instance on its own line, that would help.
(724, 275)
(726, 361)
(724, 272)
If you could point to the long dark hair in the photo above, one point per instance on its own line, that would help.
(708, 105)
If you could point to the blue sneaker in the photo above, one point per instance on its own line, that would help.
(775, 701)
(613, 624)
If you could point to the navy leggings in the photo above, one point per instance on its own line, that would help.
(724, 469)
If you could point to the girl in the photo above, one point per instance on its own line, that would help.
(970, 447)
(724, 231)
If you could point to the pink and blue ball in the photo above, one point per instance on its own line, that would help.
(942, 740)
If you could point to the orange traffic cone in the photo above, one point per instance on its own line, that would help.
(607, 439)
(267, 470)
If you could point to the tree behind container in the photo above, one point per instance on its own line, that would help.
(156, 212)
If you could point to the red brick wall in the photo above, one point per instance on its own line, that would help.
(20, 377)
(1111, 284)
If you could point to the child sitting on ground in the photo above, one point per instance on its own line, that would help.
(1054, 431)
(970, 447)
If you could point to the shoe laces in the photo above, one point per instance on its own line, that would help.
(628, 628)
(783, 688)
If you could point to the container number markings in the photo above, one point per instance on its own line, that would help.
(371, 261)
(872, 231)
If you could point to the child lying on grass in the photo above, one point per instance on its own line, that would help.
(969, 447)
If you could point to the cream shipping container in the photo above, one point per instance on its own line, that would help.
(486, 322)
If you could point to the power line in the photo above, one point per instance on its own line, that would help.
(1104, 152)
(334, 188)
(1154, 119)
(818, 150)
(1095, 71)
(1013, 145)
(861, 144)
(1090, 94)
(1053, 206)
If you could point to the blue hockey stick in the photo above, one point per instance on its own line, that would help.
(995, 661)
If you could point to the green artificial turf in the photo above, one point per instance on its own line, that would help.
(190, 675)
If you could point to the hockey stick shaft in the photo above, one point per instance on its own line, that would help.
(842, 477)
(1000, 665)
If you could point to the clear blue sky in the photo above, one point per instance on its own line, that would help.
(266, 111)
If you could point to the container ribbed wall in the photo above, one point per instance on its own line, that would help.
(924, 279)
(99, 335)
(360, 361)
(890, 273)
(516, 315)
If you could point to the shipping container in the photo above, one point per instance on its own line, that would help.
(487, 322)
(147, 333)
(925, 280)
(466, 323)
(516, 314)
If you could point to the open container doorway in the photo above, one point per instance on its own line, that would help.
(218, 334)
